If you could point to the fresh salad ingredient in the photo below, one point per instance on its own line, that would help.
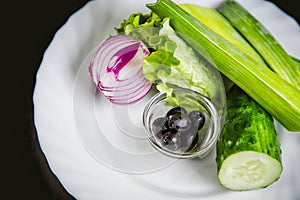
(144, 27)
(297, 61)
(176, 110)
(219, 24)
(274, 94)
(211, 18)
(222, 26)
(178, 129)
(116, 69)
(159, 126)
(248, 149)
(172, 63)
(181, 66)
(263, 41)
(180, 122)
(198, 117)
(171, 140)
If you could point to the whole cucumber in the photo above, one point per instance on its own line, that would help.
(248, 149)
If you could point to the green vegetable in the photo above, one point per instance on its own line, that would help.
(144, 27)
(248, 149)
(273, 93)
(138, 20)
(262, 40)
(219, 24)
(211, 18)
(297, 61)
(179, 67)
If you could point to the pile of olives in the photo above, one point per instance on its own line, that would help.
(178, 129)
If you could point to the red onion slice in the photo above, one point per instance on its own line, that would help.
(136, 81)
(133, 97)
(125, 92)
(116, 69)
(102, 54)
(109, 83)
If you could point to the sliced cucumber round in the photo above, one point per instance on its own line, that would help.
(249, 170)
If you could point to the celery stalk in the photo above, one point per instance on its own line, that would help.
(262, 40)
(211, 18)
(297, 61)
(277, 96)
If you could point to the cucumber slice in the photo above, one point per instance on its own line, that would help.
(249, 170)
(248, 149)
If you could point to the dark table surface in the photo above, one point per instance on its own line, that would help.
(27, 29)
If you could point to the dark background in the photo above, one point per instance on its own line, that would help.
(27, 28)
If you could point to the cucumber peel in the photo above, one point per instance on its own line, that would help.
(248, 149)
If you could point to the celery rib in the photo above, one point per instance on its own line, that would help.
(262, 40)
(211, 18)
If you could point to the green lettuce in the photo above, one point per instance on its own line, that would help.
(178, 67)
(144, 27)
(138, 20)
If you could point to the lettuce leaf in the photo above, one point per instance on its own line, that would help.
(144, 27)
(178, 67)
(139, 20)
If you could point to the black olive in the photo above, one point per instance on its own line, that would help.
(176, 110)
(171, 140)
(179, 122)
(159, 124)
(198, 118)
(189, 140)
(162, 132)
(178, 130)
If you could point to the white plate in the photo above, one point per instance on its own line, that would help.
(76, 126)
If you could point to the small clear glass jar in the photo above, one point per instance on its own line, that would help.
(190, 100)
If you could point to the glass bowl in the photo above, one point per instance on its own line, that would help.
(186, 128)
